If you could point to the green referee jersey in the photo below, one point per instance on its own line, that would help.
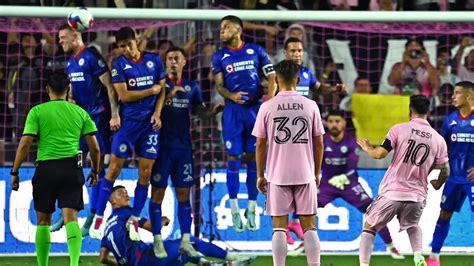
(58, 125)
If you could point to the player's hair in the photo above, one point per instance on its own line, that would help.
(117, 187)
(176, 49)
(287, 70)
(125, 34)
(165, 41)
(359, 79)
(65, 26)
(58, 82)
(467, 85)
(334, 112)
(233, 19)
(291, 40)
(420, 104)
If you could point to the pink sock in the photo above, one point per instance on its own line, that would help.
(366, 246)
(416, 238)
(279, 246)
(312, 247)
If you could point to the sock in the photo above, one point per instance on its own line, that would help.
(184, 217)
(252, 205)
(439, 235)
(104, 195)
(312, 247)
(418, 256)
(233, 178)
(74, 242)
(155, 217)
(94, 193)
(366, 246)
(295, 218)
(234, 206)
(208, 249)
(279, 246)
(384, 233)
(416, 238)
(251, 182)
(434, 256)
(141, 195)
(42, 244)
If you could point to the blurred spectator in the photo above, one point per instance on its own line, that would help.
(415, 74)
(444, 108)
(383, 5)
(114, 52)
(361, 86)
(464, 69)
(444, 63)
(163, 46)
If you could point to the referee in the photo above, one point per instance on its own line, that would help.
(57, 125)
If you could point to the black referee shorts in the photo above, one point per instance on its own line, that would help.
(58, 180)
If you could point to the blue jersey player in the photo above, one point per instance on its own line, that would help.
(175, 156)
(92, 89)
(236, 69)
(458, 131)
(139, 80)
(136, 253)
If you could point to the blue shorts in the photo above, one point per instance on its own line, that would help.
(104, 134)
(237, 124)
(175, 163)
(144, 255)
(138, 136)
(454, 195)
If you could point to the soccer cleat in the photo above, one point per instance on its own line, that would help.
(395, 254)
(187, 248)
(58, 224)
(297, 251)
(289, 238)
(242, 261)
(250, 216)
(87, 225)
(432, 262)
(296, 228)
(133, 230)
(237, 224)
(95, 231)
(159, 248)
(421, 263)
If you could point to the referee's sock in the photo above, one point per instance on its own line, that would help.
(74, 242)
(43, 244)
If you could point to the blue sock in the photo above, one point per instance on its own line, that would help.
(252, 180)
(94, 193)
(295, 216)
(439, 235)
(208, 249)
(184, 217)
(233, 168)
(141, 195)
(155, 218)
(104, 195)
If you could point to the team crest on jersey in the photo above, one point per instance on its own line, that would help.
(150, 64)
(229, 68)
(101, 63)
(472, 122)
(81, 61)
(132, 82)
(305, 75)
(344, 149)
(123, 148)
(250, 51)
(114, 72)
(68, 64)
(187, 88)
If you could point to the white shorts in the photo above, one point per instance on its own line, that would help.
(283, 200)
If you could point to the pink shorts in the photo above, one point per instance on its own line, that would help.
(283, 200)
(383, 210)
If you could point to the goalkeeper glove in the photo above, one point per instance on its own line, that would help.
(339, 181)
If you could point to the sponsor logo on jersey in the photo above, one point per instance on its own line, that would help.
(225, 56)
(453, 123)
(151, 150)
(132, 82)
(462, 137)
(328, 149)
(76, 76)
(81, 61)
(189, 178)
(127, 66)
(239, 66)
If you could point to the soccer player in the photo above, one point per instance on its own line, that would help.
(236, 69)
(291, 125)
(127, 252)
(458, 131)
(418, 148)
(57, 125)
(139, 80)
(175, 156)
(92, 89)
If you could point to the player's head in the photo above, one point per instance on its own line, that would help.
(469, 60)
(362, 85)
(57, 84)
(230, 29)
(175, 60)
(119, 197)
(69, 39)
(294, 50)
(419, 106)
(336, 123)
(287, 74)
(463, 94)
(126, 40)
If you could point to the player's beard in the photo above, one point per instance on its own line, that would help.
(334, 132)
(230, 40)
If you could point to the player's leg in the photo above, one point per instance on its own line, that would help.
(74, 235)
(306, 208)
(43, 238)
(409, 217)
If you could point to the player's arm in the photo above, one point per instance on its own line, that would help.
(127, 96)
(318, 150)
(260, 155)
(160, 102)
(94, 152)
(395, 76)
(272, 85)
(113, 99)
(21, 153)
(224, 92)
(465, 41)
(146, 224)
(105, 258)
(378, 152)
(327, 89)
(444, 173)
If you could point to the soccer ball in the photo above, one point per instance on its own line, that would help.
(80, 19)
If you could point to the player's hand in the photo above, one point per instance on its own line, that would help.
(217, 108)
(92, 178)
(15, 182)
(465, 41)
(262, 185)
(156, 121)
(436, 184)
(115, 122)
(406, 57)
(165, 221)
(318, 180)
(340, 88)
(339, 181)
(239, 97)
(470, 174)
(155, 90)
(364, 144)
